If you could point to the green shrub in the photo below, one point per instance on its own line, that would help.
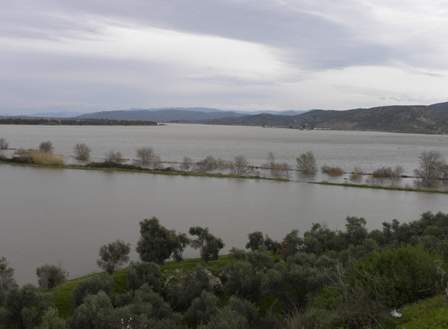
(399, 276)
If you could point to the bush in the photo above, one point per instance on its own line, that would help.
(388, 172)
(399, 276)
(333, 171)
(82, 152)
(207, 164)
(92, 286)
(144, 273)
(46, 147)
(356, 174)
(306, 164)
(202, 309)
(50, 276)
(113, 255)
(96, 312)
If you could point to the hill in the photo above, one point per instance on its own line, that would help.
(163, 115)
(411, 119)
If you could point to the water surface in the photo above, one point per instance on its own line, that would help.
(64, 216)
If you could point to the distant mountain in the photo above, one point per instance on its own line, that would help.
(411, 119)
(163, 115)
(176, 114)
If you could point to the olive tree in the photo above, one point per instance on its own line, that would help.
(306, 163)
(157, 243)
(3, 144)
(50, 276)
(7, 281)
(46, 147)
(208, 244)
(113, 255)
(256, 241)
(82, 152)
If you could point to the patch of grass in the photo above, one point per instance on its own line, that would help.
(62, 296)
(46, 159)
(430, 313)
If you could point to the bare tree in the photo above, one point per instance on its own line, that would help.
(240, 165)
(207, 164)
(82, 152)
(186, 164)
(431, 168)
(3, 144)
(306, 164)
(147, 157)
(46, 147)
(113, 157)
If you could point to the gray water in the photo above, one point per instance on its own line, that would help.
(347, 149)
(64, 216)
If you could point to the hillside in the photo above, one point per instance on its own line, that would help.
(412, 119)
(163, 115)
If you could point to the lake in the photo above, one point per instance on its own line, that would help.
(347, 149)
(64, 216)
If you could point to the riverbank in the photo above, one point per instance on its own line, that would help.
(114, 167)
(379, 187)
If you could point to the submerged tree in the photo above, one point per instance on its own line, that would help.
(113, 255)
(3, 144)
(46, 147)
(186, 164)
(82, 152)
(306, 164)
(432, 167)
(147, 157)
(240, 165)
(113, 157)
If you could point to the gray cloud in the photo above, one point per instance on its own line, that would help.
(64, 54)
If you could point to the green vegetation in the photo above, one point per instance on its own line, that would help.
(430, 313)
(323, 278)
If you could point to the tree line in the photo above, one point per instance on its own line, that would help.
(432, 167)
(321, 279)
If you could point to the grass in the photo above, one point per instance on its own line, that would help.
(46, 159)
(380, 187)
(62, 296)
(430, 313)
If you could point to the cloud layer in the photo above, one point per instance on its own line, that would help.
(89, 55)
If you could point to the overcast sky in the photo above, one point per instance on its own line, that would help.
(86, 55)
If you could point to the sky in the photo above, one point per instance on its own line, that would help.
(92, 55)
